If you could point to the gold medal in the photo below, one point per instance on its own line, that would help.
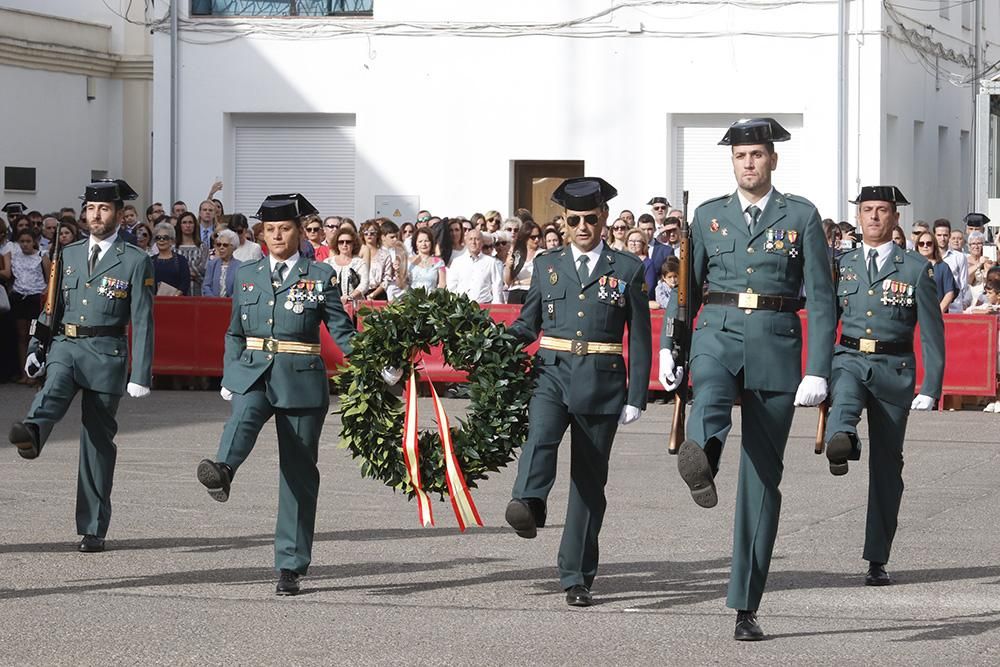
(553, 278)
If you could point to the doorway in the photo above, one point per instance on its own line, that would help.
(536, 180)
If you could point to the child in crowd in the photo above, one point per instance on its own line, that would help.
(30, 270)
(669, 277)
(990, 306)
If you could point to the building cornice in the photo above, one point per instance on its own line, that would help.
(69, 60)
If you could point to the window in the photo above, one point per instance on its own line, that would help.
(19, 178)
(281, 7)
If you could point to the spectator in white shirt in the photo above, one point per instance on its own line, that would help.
(478, 276)
(248, 251)
(957, 262)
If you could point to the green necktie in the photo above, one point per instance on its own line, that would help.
(277, 276)
(95, 254)
(583, 270)
(754, 212)
(872, 265)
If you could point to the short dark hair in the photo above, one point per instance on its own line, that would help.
(178, 202)
(238, 222)
(942, 222)
(671, 265)
(769, 145)
(389, 227)
(645, 217)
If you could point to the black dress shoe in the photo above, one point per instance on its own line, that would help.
(837, 451)
(288, 583)
(696, 471)
(747, 628)
(877, 576)
(91, 544)
(25, 438)
(579, 595)
(217, 478)
(525, 516)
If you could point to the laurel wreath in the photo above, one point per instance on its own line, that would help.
(500, 384)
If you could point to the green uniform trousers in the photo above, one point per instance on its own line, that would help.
(886, 428)
(591, 437)
(97, 447)
(298, 451)
(767, 420)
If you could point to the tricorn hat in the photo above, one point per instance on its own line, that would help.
(109, 189)
(284, 207)
(754, 131)
(976, 220)
(14, 208)
(584, 193)
(889, 193)
(658, 200)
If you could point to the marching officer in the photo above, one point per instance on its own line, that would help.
(273, 368)
(883, 292)
(754, 249)
(106, 285)
(582, 297)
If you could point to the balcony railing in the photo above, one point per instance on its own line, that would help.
(281, 7)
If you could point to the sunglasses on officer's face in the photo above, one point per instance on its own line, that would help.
(574, 220)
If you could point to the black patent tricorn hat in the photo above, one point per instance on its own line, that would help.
(754, 131)
(284, 207)
(584, 193)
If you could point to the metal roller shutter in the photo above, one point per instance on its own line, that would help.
(317, 161)
(705, 170)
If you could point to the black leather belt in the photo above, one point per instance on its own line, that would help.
(751, 301)
(76, 331)
(871, 346)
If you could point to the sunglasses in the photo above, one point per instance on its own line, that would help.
(222, 245)
(467, 228)
(925, 244)
(619, 228)
(512, 230)
(574, 220)
(163, 238)
(313, 229)
(330, 226)
(369, 232)
(659, 208)
(535, 237)
(423, 219)
(492, 219)
(344, 241)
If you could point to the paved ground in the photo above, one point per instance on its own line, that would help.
(188, 580)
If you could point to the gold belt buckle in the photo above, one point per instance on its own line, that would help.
(70, 330)
(747, 300)
(867, 345)
(270, 345)
(578, 347)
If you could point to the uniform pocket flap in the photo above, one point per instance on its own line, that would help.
(247, 298)
(308, 363)
(848, 287)
(70, 282)
(554, 292)
(719, 246)
(609, 362)
(785, 327)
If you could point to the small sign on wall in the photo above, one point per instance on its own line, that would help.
(398, 208)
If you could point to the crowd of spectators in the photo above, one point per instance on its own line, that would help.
(486, 256)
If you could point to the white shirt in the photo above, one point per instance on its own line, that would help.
(760, 203)
(959, 265)
(883, 250)
(480, 278)
(593, 256)
(289, 263)
(248, 252)
(104, 246)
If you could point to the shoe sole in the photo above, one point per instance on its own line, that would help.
(837, 451)
(21, 438)
(286, 594)
(749, 638)
(522, 520)
(878, 582)
(580, 603)
(693, 466)
(211, 479)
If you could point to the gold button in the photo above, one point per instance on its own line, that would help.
(579, 333)
(580, 314)
(869, 313)
(582, 297)
(84, 302)
(871, 292)
(868, 331)
(749, 269)
(750, 250)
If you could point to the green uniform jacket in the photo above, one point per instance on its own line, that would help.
(614, 296)
(786, 252)
(903, 295)
(259, 311)
(118, 293)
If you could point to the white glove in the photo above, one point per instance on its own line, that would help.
(391, 375)
(629, 414)
(33, 362)
(137, 390)
(922, 402)
(811, 392)
(225, 394)
(670, 375)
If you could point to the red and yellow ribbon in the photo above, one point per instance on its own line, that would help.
(461, 499)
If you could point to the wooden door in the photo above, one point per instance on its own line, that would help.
(536, 180)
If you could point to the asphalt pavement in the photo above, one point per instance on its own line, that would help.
(187, 580)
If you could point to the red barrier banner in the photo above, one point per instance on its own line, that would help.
(190, 340)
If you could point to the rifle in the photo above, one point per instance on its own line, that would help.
(824, 407)
(681, 333)
(44, 331)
